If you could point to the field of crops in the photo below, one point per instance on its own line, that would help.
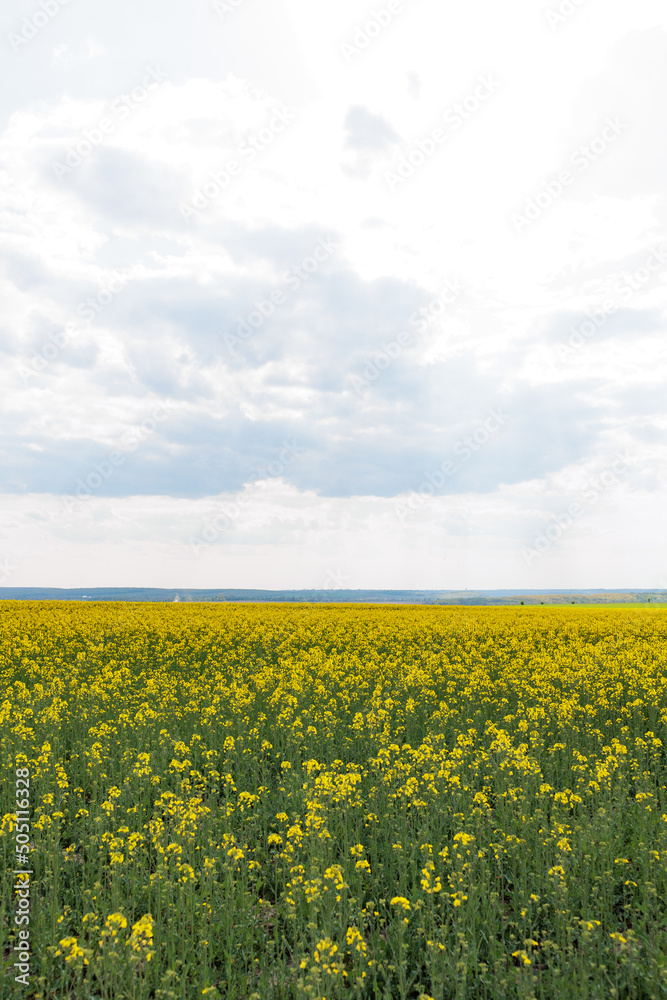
(326, 801)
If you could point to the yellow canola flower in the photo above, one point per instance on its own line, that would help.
(466, 746)
(400, 901)
(428, 883)
(355, 940)
(115, 922)
(72, 952)
(141, 938)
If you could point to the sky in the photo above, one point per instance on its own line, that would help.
(307, 294)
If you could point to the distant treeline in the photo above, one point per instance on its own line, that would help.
(470, 597)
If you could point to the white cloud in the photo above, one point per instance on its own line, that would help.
(164, 224)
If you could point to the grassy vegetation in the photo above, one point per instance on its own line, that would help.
(326, 801)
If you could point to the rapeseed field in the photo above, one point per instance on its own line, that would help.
(326, 801)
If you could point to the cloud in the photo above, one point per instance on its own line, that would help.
(636, 72)
(345, 449)
(25, 271)
(414, 85)
(129, 189)
(368, 131)
(306, 302)
(369, 135)
(621, 323)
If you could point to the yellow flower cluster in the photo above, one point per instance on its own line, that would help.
(322, 800)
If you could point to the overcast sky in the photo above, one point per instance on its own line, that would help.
(315, 294)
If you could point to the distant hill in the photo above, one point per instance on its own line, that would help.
(476, 597)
